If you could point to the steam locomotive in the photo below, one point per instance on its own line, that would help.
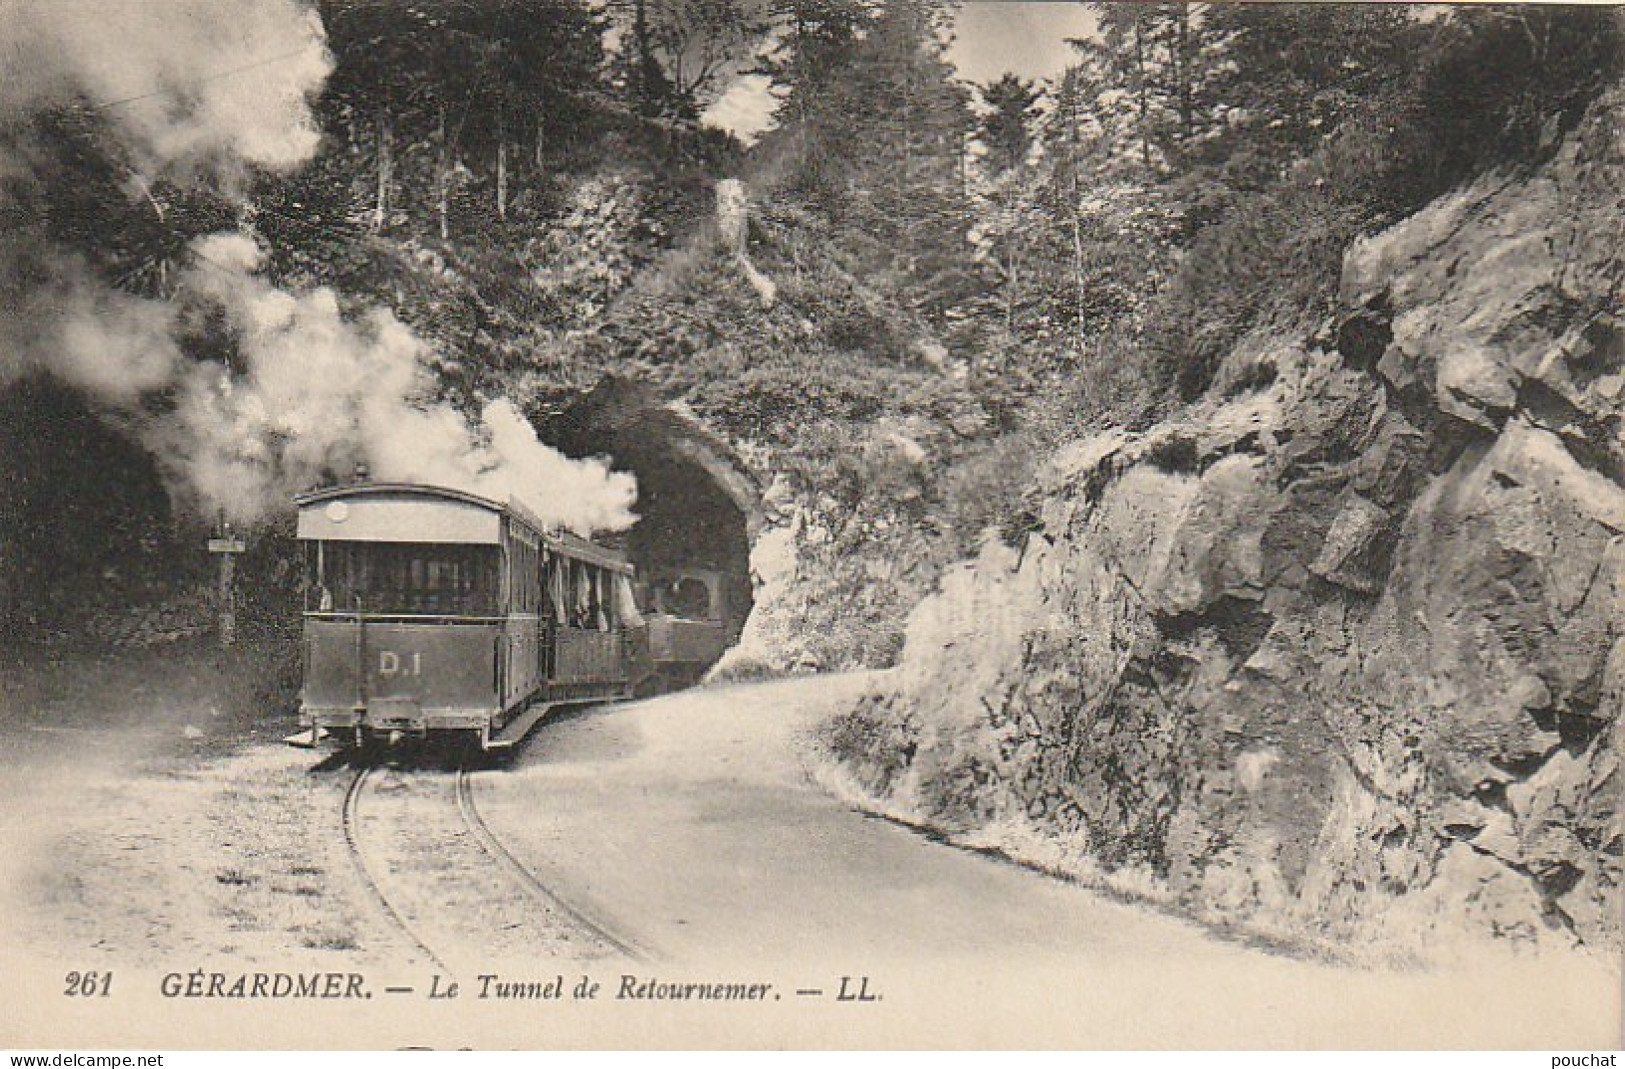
(431, 611)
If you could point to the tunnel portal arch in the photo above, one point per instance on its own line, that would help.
(86, 522)
(699, 507)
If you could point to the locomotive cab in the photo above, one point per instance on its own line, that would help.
(686, 613)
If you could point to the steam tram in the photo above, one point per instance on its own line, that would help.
(429, 610)
(685, 610)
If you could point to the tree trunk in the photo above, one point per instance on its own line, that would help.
(1011, 281)
(502, 166)
(1077, 250)
(386, 168)
(1187, 110)
(541, 142)
(1072, 212)
(964, 172)
(443, 192)
(803, 84)
(1077, 269)
(1144, 90)
(644, 52)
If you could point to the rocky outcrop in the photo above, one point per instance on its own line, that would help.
(1342, 657)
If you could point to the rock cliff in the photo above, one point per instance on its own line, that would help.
(1337, 654)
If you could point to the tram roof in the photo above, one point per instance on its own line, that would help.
(563, 542)
(370, 489)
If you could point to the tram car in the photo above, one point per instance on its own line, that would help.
(429, 610)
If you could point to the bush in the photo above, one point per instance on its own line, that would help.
(1272, 260)
(987, 488)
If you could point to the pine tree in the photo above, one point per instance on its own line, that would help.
(1294, 74)
(1165, 58)
(460, 93)
(817, 37)
(677, 54)
(1007, 128)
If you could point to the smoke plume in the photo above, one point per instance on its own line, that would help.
(318, 393)
(192, 86)
(213, 90)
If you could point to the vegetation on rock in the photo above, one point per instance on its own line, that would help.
(1332, 653)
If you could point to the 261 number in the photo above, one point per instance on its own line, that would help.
(88, 984)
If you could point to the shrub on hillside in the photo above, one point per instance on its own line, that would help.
(1496, 87)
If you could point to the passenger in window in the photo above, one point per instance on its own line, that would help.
(583, 604)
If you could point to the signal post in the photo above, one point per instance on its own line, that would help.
(226, 547)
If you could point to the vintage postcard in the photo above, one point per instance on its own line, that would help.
(541, 524)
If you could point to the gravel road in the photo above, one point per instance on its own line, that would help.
(689, 829)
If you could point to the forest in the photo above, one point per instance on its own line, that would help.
(960, 277)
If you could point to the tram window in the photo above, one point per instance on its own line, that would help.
(626, 603)
(603, 610)
(524, 593)
(417, 579)
(581, 609)
(556, 590)
(545, 576)
(688, 596)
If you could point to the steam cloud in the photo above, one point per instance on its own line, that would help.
(207, 89)
(192, 85)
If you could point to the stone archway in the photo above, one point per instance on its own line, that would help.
(698, 506)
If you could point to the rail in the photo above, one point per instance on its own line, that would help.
(474, 833)
(352, 838)
(525, 878)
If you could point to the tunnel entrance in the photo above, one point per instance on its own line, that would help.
(85, 520)
(699, 509)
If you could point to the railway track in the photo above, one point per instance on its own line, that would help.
(443, 879)
(367, 872)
